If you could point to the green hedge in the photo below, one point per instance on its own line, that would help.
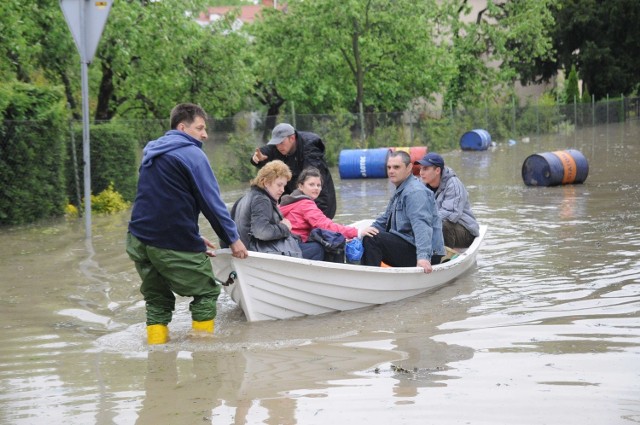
(113, 148)
(32, 129)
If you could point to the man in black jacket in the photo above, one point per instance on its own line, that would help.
(299, 150)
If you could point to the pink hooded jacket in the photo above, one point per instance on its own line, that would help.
(304, 215)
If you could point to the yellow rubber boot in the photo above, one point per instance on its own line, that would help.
(157, 334)
(206, 326)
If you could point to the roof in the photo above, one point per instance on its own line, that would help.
(247, 14)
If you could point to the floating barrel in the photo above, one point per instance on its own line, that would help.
(555, 168)
(475, 140)
(363, 163)
(416, 153)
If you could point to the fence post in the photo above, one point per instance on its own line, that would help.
(537, 116)
(486, 114)
(362, 133)
(513, 103)
(293, 114)
(575, 112)
(451, 124)
(411, 124)
(593, 110)
(607, 108)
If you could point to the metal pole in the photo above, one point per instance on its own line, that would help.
(363, 136)
(293, 114)
(513, 102)
(537, 116)
(84, 72)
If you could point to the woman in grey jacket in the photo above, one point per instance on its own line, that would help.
(261, 225)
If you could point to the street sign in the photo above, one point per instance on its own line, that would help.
(86, 20)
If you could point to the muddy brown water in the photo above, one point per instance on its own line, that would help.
(544, 330)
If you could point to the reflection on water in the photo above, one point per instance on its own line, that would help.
(546, 326)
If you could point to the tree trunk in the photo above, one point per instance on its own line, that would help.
(105, 94)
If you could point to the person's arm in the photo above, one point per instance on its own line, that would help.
(316, 218)
(314, 157)
(262, 155)
(210, 202)
(454, 198)
(420, 208)
(262, 227)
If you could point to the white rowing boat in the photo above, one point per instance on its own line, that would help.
(268, 286)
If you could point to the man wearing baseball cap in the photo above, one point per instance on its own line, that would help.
(299, 150)
(459, 225)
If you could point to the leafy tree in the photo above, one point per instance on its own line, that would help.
(19, 36)
(572, 93)
(602, 39)
(586, 97)
(493, 44)
(336, 54)
(144, 71)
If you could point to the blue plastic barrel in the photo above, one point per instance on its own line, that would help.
(555, 168)
(475, 140)
(363, 163)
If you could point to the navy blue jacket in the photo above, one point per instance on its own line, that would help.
(175, 185)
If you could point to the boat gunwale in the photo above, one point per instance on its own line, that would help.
(473, 248)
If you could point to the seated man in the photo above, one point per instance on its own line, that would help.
(459, 225)
(409, 233)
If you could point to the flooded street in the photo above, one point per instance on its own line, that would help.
(544, 330)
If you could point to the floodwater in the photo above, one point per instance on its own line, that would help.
(544, 330)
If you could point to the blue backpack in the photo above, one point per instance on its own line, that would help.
(332, 242)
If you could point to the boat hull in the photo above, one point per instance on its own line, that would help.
(270, 287)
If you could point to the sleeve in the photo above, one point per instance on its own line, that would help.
(314, 157)
(316, 218)
(454, 198)
(267, 150)
(262, 225)
(418, 208)
(381, 222)
(211, 204)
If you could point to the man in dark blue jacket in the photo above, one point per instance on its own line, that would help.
(175, 185)
(299, 150)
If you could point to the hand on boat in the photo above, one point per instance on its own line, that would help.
(426, 265)
(209, 244)
(368, 231)
(238, 249)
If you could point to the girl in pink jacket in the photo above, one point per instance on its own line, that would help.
(301, 210)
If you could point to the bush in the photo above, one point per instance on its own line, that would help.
(32, 153)
(108, 202)
(239, 148)
(113, 159)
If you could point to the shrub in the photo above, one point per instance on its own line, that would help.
(113, 159)
(108, 201)
(31, 153)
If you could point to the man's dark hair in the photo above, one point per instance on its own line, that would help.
(406, 159)
(186, 113)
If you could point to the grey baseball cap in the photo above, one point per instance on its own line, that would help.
(281, 132)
